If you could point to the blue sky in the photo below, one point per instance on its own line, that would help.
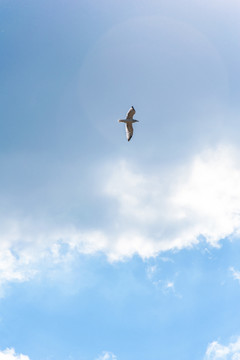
(112, 250)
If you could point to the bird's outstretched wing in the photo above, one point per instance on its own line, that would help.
(130, 113)
(129, 131)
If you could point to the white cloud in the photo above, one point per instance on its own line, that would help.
(169, 210)
(106, 355)
(27, 249)
(216, 351)
(13, 268)
(9, 354)
(210, 196)
(151, 212)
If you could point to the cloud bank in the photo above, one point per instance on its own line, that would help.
(148, 212)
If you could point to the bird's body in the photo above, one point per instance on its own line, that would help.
(128, 122)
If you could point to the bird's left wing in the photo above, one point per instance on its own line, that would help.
(130, 113)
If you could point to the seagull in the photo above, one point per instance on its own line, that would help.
(129, 121)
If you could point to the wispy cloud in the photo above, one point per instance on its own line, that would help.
(10, 354)
(159, 280)
(106, 355)
(235, 273)
(216, 351)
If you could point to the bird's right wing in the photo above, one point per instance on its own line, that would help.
(129, 131)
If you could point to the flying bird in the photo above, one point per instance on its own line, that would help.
(128, 122)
